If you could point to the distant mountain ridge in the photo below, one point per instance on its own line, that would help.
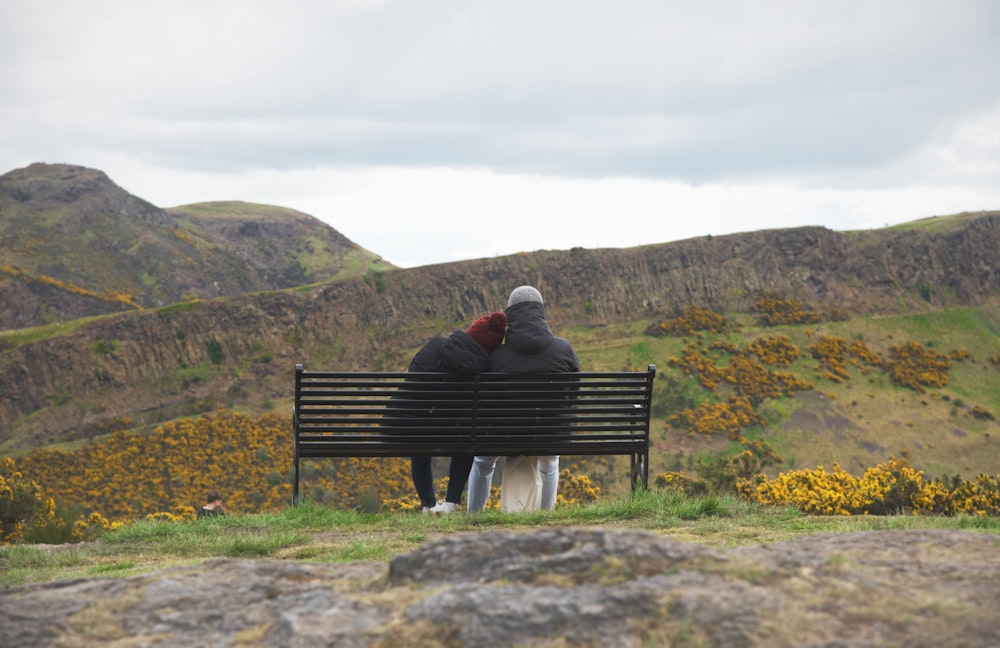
(154, 365)
(74, 244)
(192, 356)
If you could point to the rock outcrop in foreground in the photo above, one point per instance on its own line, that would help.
(548, 587)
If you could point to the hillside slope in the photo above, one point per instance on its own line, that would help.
(149, 366)
(74, 244)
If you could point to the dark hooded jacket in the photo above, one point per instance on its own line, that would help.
(458, 354)
(531, 346)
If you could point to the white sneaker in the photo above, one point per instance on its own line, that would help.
(444, 508)
(430, 509)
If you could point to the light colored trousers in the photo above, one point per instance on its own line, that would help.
(481, 479)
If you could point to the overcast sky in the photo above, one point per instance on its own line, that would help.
(437, 131)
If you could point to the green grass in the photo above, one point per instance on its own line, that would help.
(938, 224)
(238, 210)
(859, 423)
(13, 338)
(315, 533)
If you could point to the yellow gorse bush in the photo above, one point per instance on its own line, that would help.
(727, 418)
(129, 475)
(914, 366)
(774, 350)
(834, 354)
(694, 319)
(111, 296)
(892, 487)
(673, 480)
(21, 502)
(576, 489)
(745, 372)
(776, 309)
(165, 475)
(694, 363)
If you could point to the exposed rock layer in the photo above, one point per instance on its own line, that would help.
(133, 365)
(548, 587)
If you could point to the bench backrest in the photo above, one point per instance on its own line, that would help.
(345, 414)
(388, 404)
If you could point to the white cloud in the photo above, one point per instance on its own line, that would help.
(400, 122)
(423, 216)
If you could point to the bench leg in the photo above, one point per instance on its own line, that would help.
(640, 470)
(295, 486)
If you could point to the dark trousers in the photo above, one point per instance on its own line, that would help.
(423, 479)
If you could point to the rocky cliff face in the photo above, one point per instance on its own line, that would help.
(153, 365)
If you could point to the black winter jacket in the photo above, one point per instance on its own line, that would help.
(457, 354)
(531, 346)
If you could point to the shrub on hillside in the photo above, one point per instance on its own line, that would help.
(914, 366)
(725, 419)
(721, 474)
(163, 475)
(775, 309)
(982, 413)
(21, 503)
(691, 320)
(745, 373)
(834, 354)
(28, 515)
(831, 352)
(774, 350)
(890, 488)
(694, 363)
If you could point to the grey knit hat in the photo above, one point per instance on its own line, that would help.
(524, 294)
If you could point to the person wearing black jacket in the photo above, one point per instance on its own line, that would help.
(530, 347)
(464, 353)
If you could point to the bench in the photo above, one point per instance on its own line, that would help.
(408, 414)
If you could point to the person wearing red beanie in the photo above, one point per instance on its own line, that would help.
(489, 330)
(465, 353)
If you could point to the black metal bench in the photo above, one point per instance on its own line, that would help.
(399, 414)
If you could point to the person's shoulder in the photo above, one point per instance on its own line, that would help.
(568, 353)
(461, 339)
(434, 343)
(427, 357)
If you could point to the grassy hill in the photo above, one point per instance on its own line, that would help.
(142, 410)
(857, 423)
(74, 244)
(309, 250)
(295, 291)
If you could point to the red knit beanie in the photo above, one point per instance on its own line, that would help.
(489, 330)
